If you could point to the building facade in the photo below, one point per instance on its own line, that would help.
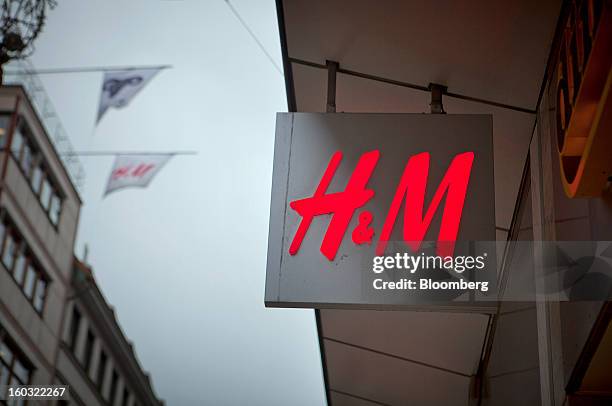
(40, 210)
(95, 359)
(542, 71)
(39, 213)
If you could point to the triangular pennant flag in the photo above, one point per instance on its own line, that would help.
(134, 171)
(120, 87)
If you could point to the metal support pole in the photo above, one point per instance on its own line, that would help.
(436, 98)
(332, 70)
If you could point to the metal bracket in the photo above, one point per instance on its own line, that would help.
(436, 97)
(332, 70)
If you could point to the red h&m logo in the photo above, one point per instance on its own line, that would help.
(412, 187)
(132, 171)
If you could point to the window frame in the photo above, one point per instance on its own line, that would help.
(101, 369)
(30, 263)
(125, 401)
(76, 319)
(37, 161)
(8, 116)
(88, 350)
(17, 355)
(114, 385)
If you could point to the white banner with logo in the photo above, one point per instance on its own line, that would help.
(120, 87)
(135, 171)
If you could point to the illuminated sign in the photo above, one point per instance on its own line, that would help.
(583, 82)
(342, 205)
(349, 188)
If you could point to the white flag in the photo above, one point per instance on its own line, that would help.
(134, 171)
(120, 87)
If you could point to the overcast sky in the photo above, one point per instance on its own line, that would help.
(183, 262)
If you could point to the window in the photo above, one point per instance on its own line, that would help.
(35, 180)
(17, 143)
(55, 208)
(20, 267)
(5, 123)
(126, 397)
(27, 159)
(101, 369)
(113, 388)
(45, 194)
(75, 323)
(40, 295)
(21, 264)
(15, 369)
(30, 160)
(89, 343)
(30, 282)
(9, 251)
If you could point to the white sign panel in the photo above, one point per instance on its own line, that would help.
(357, 199)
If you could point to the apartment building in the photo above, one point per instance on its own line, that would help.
(39, 211)
(96, 360)
(55, 325)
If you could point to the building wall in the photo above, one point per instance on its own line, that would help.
(41, 334)
(96, 318)
(566, 323)
(36, 333)
(84, 381)
(514, 359)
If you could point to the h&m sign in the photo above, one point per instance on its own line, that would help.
(347, 186)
